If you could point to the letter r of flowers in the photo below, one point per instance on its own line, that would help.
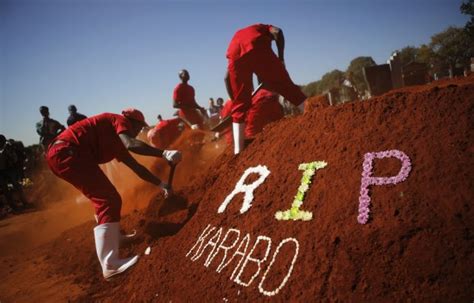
(247, 189)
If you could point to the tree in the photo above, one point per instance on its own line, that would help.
(467, 8)
(311, 89)
(408, 54)
(330, 80)
(354, 72)
(452, 48)
(425, 54)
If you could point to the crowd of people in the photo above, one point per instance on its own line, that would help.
(13, 158)
(75, 153)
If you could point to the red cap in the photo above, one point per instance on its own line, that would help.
(135, 114)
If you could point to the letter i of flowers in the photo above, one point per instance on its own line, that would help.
(294, 213)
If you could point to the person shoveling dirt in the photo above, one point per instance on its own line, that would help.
(75, 156)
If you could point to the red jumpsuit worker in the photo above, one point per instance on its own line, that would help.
(265, 109)
(165, 132)
(75, 155)
(249, 53)
(183, 98)
(226, 112)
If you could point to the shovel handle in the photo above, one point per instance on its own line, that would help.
(170, 177)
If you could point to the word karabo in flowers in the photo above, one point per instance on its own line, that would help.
(215, 243)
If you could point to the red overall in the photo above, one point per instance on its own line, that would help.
(250, 52)
(183, 95)
(164, 133)
(265, 108)
(225, 112)
(77, 152)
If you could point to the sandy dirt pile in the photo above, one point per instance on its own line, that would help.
(418, 243)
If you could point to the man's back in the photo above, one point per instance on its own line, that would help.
(248, 38)
(98, 136)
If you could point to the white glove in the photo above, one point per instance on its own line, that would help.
(216, 135)
(172, 155)
(166, 189)
(194, 126)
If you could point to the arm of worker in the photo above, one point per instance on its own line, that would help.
(141, 148)
(227, 85)
(277, 34)
(140, 170)
(145, 174)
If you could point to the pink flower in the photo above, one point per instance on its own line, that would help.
(367, 179)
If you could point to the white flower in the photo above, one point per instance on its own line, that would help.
(297, 203)
(303, 188)
(320, 164)
(306, 215)
(279, 215)
(302, 166)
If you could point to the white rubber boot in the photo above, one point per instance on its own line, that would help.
(107, 237)
(238, 130)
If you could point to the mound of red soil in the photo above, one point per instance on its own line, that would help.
(418, 244)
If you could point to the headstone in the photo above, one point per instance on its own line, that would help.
(415, 73)
(378, 79)
(396, 70)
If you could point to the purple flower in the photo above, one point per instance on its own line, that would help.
(367, 180)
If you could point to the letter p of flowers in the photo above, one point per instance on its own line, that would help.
(294, 213)
(368, 180)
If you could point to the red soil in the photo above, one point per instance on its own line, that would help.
(418, 244)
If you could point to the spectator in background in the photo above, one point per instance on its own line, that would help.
(212, 110)
(9, 175)
(74, 116)
(219, 105)
(4, 192)
(47, 128)
(20, 153)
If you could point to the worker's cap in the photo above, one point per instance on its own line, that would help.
(134, 114)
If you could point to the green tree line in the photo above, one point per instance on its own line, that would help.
(451, 48)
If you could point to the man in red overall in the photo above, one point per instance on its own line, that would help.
(265, 109)
(183, 99)
(165, 132)
(249, 53)
(75, 155)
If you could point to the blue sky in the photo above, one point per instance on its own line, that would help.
(106, 55)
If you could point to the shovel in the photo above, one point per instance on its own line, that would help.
(170, 177)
